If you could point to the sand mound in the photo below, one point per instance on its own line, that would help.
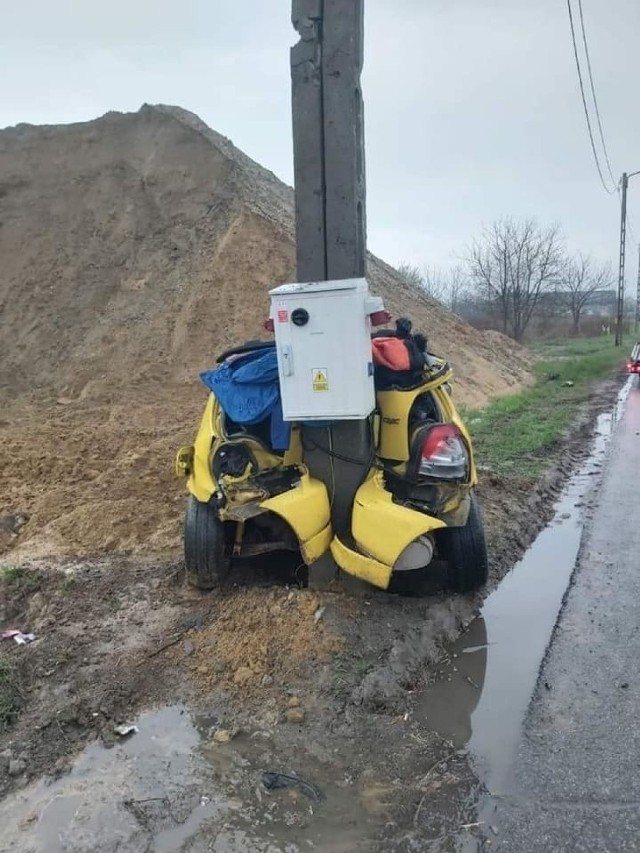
(136, 246)
(133, 249)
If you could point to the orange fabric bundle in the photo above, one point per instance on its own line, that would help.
(391, 353)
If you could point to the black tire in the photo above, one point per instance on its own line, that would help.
(465, 551)
(206, 560)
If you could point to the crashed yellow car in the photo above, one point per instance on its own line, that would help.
(251, 493)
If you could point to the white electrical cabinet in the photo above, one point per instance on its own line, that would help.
(323, 341)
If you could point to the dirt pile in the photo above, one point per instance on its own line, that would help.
(133, 249)
(262, 639)
(136, 246)
(95, 477)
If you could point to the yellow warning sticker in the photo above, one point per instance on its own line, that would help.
(320, 379)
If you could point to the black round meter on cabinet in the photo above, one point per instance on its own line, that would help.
(300, 317)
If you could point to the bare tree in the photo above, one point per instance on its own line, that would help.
(436, 283)
(445, 286)
(458, 287)
(425, 279)
(411, 274)
(512, 265)
(582, 279)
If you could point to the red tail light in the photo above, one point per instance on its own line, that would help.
(380, 318)
(269, 325)
(444, 454)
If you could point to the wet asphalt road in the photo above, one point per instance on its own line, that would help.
(576, 782)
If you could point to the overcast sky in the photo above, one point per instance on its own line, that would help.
(472, 107)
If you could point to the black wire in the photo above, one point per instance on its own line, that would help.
(369, 463)
(593, 92)
(365, 464)
(584, 103)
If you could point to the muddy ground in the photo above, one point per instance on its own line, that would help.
(319, 682)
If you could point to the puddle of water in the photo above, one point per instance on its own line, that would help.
(481, 696)
(170, 788)
(111, 798)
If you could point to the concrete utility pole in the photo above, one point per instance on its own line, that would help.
(329, 169)
(623, 239)
(638, 294)
(328, 139)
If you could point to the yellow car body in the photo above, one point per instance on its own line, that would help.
(381, 527)
(305, 508)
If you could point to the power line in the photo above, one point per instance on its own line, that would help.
(593, 92)
(584, 103)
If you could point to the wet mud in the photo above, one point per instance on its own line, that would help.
(406, 706)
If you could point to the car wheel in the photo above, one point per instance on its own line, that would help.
(206, 560)
(465, 551)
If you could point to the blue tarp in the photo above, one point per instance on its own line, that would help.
(248, 390)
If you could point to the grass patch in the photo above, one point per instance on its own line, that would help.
(10, 695)
(579, 347)
(514, 434)
(11, 574)
(20, 579)
(348, 669)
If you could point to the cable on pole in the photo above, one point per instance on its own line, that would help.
(593, 93)
(584, 103)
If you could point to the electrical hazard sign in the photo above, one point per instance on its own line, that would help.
(320, 379)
